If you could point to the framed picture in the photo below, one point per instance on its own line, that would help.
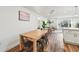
(24, 16)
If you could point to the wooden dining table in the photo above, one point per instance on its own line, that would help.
(33, 36)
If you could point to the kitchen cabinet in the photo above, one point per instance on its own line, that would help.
(71, 36)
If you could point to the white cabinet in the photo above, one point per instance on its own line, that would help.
(71, 36)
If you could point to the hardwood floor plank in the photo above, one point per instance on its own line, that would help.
(71, 48)
(66, 48)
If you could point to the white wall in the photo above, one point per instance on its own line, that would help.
(11, 27)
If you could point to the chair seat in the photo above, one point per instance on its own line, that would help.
(41, 43)
(28, 44)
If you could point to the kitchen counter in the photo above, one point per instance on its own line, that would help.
(70, 29)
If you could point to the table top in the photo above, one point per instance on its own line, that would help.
(35, 34)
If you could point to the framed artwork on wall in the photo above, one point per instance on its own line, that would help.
(24, 16)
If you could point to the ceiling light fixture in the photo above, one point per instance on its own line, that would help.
(76, 11)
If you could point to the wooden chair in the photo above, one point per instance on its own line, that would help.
(43, 42)
(26, 45)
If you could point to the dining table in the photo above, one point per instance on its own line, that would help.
(33, 36)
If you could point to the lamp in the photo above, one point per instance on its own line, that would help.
(76, 10)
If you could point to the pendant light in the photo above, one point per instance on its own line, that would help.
(76, 11)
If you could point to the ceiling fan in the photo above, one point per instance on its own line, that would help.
(50, 14)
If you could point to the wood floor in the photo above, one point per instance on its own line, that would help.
(15, 49)
(71, 48)
(67, 48)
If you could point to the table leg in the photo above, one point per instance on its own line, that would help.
(34, 46)
(20, 46)
(21, 42)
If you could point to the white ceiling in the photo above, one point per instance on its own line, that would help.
(58, 10)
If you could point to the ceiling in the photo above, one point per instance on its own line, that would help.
(54, 10)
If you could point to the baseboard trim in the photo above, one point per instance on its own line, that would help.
(73, 43)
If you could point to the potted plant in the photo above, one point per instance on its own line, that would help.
(44, 24)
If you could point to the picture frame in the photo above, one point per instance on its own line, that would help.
(24, 16)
